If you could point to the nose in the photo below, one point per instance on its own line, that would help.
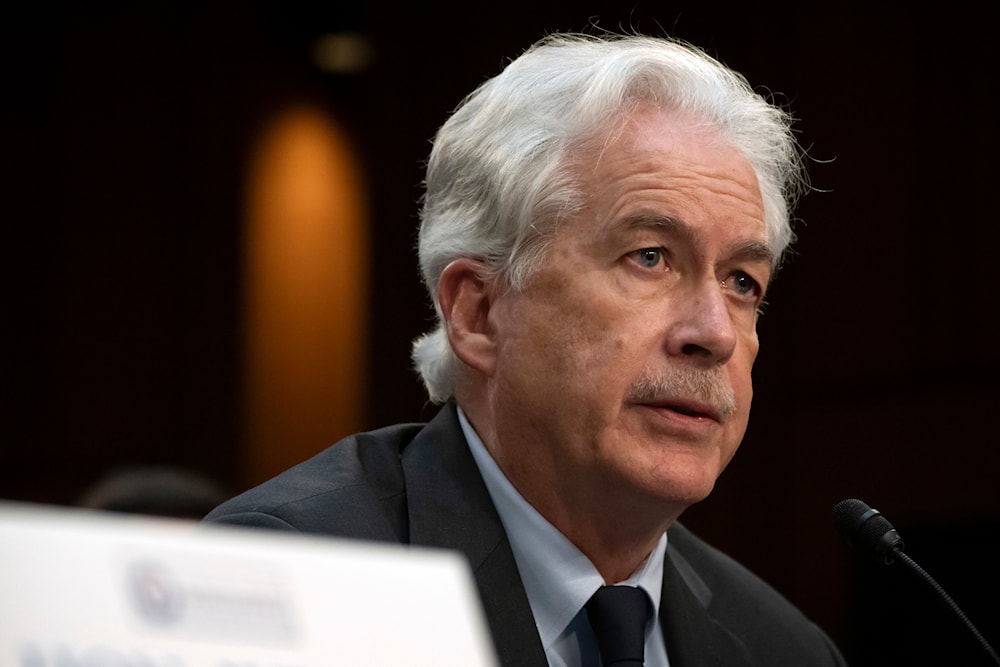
(702, 328)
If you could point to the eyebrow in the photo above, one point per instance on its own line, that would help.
(753, 251)
(749, 250)
(653, 220)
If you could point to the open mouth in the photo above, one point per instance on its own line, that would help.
(693, 411)
(684, 411)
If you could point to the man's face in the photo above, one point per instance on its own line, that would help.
(623, 369)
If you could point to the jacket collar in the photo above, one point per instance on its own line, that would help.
(693, 637)
(449, 507)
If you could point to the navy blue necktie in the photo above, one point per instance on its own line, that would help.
(618, 615)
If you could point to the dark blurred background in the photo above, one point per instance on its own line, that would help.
(153, 149)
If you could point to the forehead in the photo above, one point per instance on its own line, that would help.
(670, 165)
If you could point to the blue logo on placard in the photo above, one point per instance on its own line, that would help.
(155, 593)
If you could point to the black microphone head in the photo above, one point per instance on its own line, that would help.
(866, 530)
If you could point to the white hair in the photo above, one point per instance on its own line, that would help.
(501, 172)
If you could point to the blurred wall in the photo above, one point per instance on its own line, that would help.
(129, 130)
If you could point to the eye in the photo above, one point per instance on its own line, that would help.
(649, 258)
(743, 284)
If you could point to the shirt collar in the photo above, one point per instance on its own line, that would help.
(558, 578)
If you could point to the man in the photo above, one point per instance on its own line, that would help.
(601, 223)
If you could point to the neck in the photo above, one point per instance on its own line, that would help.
(614, 536)
(613, 524)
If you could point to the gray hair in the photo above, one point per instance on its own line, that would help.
(501, 172)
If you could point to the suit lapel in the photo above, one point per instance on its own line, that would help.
(693, 637)
(449, 507)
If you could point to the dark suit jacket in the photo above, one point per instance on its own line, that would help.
(417, 484)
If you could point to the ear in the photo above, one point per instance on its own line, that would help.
(465, 298)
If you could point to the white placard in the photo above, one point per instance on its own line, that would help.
(81, 588)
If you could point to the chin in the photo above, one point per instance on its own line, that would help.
(684, 496)
(683, 483)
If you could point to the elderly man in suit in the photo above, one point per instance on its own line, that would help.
(601, 223)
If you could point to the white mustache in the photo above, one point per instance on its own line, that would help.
(708, 386)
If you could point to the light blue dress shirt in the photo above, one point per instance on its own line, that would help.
(557, 577)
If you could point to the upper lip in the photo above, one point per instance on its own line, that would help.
(687, 407)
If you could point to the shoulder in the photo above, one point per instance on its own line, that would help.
(770, 626)
(728, 581)
(354, 488)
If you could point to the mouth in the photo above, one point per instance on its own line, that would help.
(687, 409)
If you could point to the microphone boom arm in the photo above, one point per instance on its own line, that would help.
(870, 533)
(943, 595)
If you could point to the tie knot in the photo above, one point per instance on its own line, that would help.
(618, 615)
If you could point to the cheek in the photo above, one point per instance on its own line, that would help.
(580, 328)
(570, 326)
(742, 363)
(604, 352)
(751, 345)
(742, 385)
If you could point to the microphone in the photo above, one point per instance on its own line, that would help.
(870, 533)
(867, 530)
